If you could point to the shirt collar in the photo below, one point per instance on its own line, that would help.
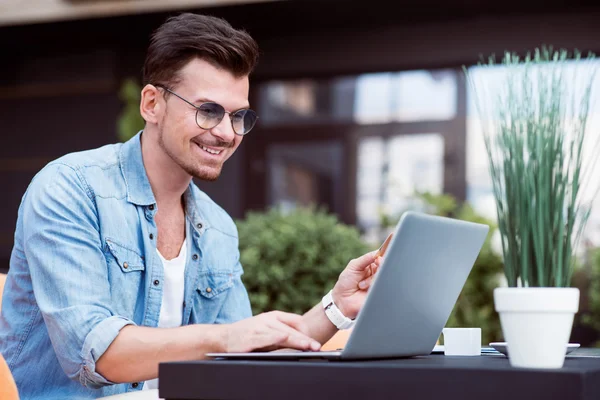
(138, 186)
(192, 211)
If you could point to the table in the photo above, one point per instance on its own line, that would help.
(439, 377)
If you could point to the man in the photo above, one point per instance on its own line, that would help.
(120, 262)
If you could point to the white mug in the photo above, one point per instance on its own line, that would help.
(462, 341)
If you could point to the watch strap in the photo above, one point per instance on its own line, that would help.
(334, 314)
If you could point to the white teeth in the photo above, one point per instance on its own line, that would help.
(211, 151)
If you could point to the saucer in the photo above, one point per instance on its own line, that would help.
(501, 347)
(439, 349)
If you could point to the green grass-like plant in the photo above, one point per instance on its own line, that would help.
(534, 120)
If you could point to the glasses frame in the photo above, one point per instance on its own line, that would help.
(211, 102)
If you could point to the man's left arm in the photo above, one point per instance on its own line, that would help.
(348, 294)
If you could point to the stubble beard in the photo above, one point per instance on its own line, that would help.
(198, 171)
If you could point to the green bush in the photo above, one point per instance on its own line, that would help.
(291, 259)
(475, 305)
(592, 317)
(130, 121)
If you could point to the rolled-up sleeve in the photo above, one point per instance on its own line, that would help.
(68, 270)
(95, 344)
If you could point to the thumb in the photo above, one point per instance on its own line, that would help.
(362, 262)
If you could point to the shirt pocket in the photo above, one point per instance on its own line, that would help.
(127, 259)
(214, 284)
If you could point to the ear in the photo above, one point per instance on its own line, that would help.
(151, 104)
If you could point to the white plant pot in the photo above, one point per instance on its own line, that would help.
(536, 323)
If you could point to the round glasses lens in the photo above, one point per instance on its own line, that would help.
(243, 121)
(209, 115)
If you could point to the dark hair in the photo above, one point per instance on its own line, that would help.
(187, 36)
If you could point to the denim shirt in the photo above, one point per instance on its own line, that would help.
(84, 265)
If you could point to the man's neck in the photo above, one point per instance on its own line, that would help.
(167, 179)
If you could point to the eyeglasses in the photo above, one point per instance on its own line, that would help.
(209, 115)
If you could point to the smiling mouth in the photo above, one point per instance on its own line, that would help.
(210, 151)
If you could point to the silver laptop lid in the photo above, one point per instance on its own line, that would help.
(416, 287)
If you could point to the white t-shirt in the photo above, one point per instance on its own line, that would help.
(171, 308)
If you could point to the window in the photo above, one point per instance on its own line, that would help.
(362, 145)
(391, 170)
(406, 96)
(365, 99)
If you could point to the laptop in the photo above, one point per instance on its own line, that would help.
(418, 282)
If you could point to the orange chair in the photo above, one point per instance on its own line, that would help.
(8, 388)
(338, 341)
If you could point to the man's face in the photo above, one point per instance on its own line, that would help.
(200, 152)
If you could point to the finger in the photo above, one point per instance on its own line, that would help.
(369, 270)
(265, 338)
(294, 320)
(294, 338)
(294, 325)
(366, 283)
(375, 269)
(265, 332)
(362, 262)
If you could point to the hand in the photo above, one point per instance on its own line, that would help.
(268, 331)
(350, 291)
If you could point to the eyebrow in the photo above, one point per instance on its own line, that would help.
(201, 100)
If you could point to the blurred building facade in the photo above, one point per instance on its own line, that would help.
(361, 103)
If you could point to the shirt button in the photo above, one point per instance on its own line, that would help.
(134, 385)
(156, 282)
(125, 265)
(151, 236)
(208, 290)
(199, 226)
(195, 257)
(151, 207)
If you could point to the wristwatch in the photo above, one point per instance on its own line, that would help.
(334, 314)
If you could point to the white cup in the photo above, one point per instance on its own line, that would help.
(462, 341)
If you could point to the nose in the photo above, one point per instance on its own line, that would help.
(224, 130)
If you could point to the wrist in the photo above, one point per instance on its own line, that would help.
(334, 314)
(342, 305)
(215, 338)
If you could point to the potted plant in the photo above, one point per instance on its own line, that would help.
(534, 117)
